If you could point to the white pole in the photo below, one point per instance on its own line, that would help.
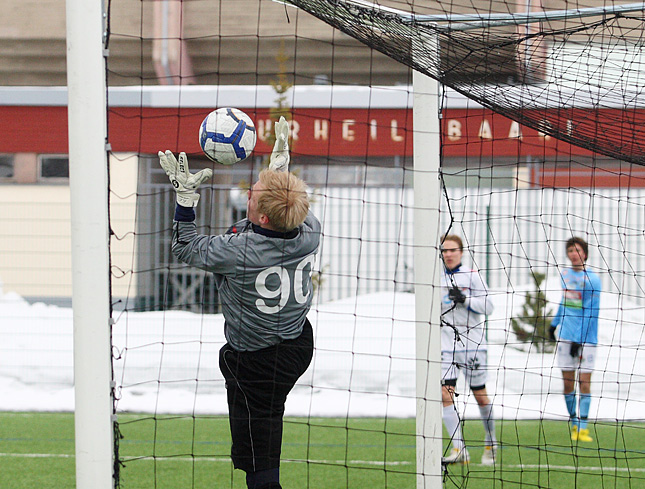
(90, 256)
(427, 197)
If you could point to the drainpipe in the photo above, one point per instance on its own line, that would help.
(531, 53)
(170, 56)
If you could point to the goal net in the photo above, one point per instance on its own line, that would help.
(553, 71)
(539, 116)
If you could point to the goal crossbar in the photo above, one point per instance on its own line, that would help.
(463, 22)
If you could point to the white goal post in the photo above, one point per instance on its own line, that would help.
(427, 280)
(87, 127)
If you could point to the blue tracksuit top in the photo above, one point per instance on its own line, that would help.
(577, 315)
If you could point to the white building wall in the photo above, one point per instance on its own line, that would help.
(367, 236)
(35, 239)
(123, 205)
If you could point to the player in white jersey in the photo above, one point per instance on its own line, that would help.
(262, 269)
(464, 304)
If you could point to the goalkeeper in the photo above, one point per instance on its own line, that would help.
(577, 319)
(463, 348)
(262, 269)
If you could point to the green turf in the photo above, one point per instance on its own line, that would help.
(37, 450)
(182, 452)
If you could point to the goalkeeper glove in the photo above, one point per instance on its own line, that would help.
(280, 155)
(552, 333)
(456, 295)
(575, 350)
(182, 180)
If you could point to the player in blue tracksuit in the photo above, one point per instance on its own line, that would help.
(263, 269)
(576, 322)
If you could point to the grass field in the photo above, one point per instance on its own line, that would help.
(37, 451)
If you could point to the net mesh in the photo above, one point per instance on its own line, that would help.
(539, 142)
(555, 77)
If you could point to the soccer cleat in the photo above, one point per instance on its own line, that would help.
(456, 456)
(574, 432)
(489, 456)
(580, 435)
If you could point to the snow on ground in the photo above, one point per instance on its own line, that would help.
(167, 362)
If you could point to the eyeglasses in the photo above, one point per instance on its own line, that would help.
(444, 250)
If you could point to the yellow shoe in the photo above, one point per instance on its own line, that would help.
(574, 432)
(583, 435)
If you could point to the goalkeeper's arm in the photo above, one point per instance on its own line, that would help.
(280, 155)
(183, 182)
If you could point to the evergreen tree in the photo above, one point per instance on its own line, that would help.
(532, 326)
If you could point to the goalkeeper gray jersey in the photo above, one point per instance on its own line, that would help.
(264, 281)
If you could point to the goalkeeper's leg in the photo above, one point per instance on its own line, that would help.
(257, 387)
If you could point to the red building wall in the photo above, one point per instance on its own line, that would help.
(334, 132)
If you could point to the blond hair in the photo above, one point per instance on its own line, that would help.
(283, 199)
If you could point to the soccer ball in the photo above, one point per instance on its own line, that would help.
(227, 136)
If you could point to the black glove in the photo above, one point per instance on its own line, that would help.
(456, 295)
(552, 333)
(575, 350)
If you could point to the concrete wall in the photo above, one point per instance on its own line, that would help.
(229, 42)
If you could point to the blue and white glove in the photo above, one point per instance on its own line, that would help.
(280, 155)
(182, 180)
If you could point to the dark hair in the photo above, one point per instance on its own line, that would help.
(579, 241)
(455, 238)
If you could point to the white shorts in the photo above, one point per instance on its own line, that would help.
(473, 364)
(583, 363)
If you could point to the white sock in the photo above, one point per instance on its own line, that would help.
(486, 413)
(453, 427)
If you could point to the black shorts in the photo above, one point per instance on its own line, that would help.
(257, 385)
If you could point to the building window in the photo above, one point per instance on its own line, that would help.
(54, 167)
(6, 167)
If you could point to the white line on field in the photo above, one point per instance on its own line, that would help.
(213, 459)
(37, 455)
(580, 468)
(340, 462)
(284, 460)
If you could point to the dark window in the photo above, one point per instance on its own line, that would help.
(54, 167)
(6, 166)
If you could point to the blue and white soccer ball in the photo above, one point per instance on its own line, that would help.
(227, 135)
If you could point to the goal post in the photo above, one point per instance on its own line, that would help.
(87, 127)
(427, 286)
